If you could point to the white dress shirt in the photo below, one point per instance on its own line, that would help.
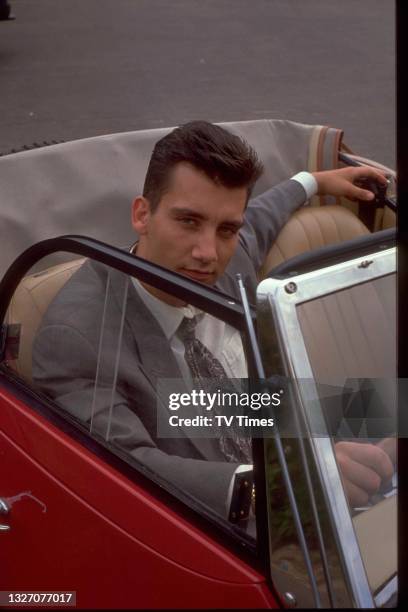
(222, 340)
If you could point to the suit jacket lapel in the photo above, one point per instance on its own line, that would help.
(156, 358)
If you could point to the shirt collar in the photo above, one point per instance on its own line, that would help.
(169, 317)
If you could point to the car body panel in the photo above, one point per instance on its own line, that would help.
(81, 529)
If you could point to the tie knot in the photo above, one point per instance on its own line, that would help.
(186, 330)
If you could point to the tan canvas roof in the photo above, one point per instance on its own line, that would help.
(87, 186)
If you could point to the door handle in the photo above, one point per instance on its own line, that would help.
(4, 509)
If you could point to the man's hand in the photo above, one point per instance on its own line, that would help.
(341, 182)
(389, 445)
(363, 468)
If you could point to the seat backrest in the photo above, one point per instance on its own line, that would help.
(29, 304)
(311, 228)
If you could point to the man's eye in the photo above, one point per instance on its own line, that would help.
(228, 232)
(187, 221)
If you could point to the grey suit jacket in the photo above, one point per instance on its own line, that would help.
(75, 365)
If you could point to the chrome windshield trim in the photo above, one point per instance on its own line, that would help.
(390, 589)
(342, 275)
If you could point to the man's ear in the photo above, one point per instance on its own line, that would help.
(140, 214)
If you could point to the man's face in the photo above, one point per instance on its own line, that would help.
(194, 230)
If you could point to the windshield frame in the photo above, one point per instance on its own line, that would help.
(281, 295)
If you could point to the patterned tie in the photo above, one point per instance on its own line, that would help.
(204, 366)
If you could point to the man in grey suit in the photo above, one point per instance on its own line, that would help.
(193, 218)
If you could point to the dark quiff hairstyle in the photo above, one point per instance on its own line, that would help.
(225, 158)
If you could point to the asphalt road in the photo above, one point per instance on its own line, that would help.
(76, 68)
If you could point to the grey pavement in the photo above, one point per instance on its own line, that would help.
(77, 68)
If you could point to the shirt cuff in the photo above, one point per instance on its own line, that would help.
(240, 468)
(308, 183)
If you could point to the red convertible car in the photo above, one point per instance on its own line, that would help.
(85, 521)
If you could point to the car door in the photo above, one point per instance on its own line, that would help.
(78, 514)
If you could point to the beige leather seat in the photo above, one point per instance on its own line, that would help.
(308, 229)
(28, 305)
(311, 228)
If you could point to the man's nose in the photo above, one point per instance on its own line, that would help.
(205, 247)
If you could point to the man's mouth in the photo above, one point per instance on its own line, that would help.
(204, 276)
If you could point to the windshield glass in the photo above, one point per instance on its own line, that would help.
(334, 332)
(357, 328)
